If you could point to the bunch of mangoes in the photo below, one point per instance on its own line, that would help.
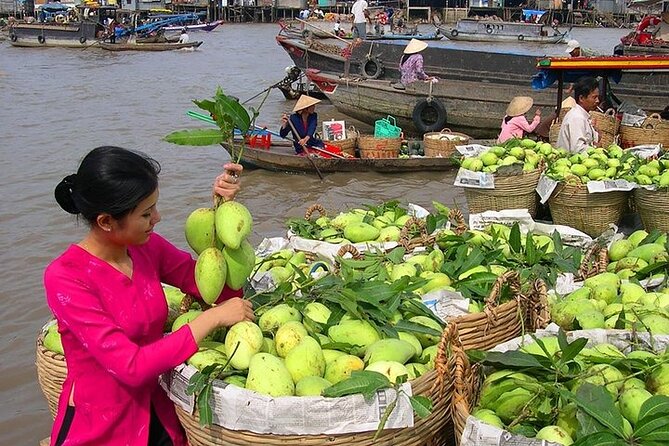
(595, 164)
(525, 152)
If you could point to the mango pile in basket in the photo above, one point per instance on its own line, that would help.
(513, 152)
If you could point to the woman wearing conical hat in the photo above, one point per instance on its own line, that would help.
(514, 124)
(304, 121)
(411, 64)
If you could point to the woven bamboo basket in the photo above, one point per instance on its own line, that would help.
(371, 147)
(410, 240)
(348, 144)
(510, 192)
(439, 145)
(654, 130)
(434, 430)
(653, 208)
(51, 373)
(572, 205)
(554, 133)
(563, 112)
(594, 261)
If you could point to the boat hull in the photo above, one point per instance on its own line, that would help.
(281, 158)
(70, 35)
(148, 46)
(467, 37)
(200, 27)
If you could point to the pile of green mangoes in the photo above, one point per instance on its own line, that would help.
(531, 404)
(526, 152)
(652, 172)
(634, 253)
(218, 236)
(592, 165)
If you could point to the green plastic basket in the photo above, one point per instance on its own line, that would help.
(387, 128)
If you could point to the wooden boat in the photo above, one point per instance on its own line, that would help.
(631, 45)
(281, 157)
(166, 46)
(158, 39)
(400, 36)
(197, 27)
(472, 30)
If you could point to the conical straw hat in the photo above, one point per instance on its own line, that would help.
(305, 102)
(569, 102)
(519, 106)
(415, 46)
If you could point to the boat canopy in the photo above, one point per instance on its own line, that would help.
(570, 69)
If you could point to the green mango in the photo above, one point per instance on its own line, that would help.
(311, 386)
(555, 434)
(269, 376)
(391, 369)
(389, 349)
(354, 332)
(207, 357)
(276, 316)
(427, 340)
(243, 341)
(511, 403)
(236, 380)
(620, 249)
(361, 232)
(488, 417)
(305, 359)
(650, 252)
(389, 234)
(233, 223)
(200, 230)
(331, 355)
(268, 346)
(240, 263)
(185, 318)
(637, 237)
(416, 369)
(630, 403)
(210, 274)
(413, 340)
(288, 336)
(315, 313)
(53, 342)
(340, 368)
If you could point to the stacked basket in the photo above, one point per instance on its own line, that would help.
(51, 373)
(510, 192)
(442, 144)
(592, 213)
(348, 144)
(372, 147)
(653, 208)
(654, 130)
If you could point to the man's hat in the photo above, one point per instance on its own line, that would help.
(415, 46)
(519, 105)
(572, 45)
(305, 102)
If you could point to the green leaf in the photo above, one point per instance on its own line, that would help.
(203, 406)
(364, 382)
(572, 349)
(413, 327)
(396, 255)
(198, 137)
(597, 402)
(196, 383)
(653, 421)
(422, 405)
(600, 439)
(511, 358)
(532, 256)
(587, 425)
(620, 322)
(514, 238)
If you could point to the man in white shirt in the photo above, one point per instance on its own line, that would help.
(359, 20)
(576, 131)
(184, 38)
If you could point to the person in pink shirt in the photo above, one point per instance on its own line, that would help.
(106, 294)
(514, 124)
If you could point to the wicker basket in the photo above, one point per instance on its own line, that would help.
(431, 431)
(594, 261)
(349, 144)
(653, 208)
(510, 192)
(438, 144)
(590, 213)
(51, 373)
(607, 126)
(554, 133)
(654, 130)
(371, 147)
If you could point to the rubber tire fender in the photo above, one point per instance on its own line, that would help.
(372, 68)
(521, 37)
(489, 29)
(307, 33)
(82, 40)
(13, 37)
(41, 39)
(423, 105)
(454, 32)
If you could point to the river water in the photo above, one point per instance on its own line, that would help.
(57, 104)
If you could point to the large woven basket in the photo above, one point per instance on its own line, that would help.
(434, 430)
(554, 133)
(371, 147)
(510, 192)
(607, 126)
(654, 130)
(51, 373)
(572, 205)
(439, 145)
(348, 144)
(653, 208)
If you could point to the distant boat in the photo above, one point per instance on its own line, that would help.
(402, 36)
(165, 46)
(472, 30)
(197, 27)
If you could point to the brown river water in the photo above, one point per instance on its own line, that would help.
(57, 104)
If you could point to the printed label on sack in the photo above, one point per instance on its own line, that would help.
(545, 188)
(610, 186)
(477, 180)
(471, 150)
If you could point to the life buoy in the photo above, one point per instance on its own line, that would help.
(521, 37)
(429, 115)
(60, 18)
(454, 32)
(13, 37)
(82, 40)
(41, 39)
(372, 68)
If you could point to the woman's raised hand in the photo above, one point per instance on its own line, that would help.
(232, 311)
(227, 184)
(284, 120)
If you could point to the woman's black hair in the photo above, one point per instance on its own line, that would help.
(584, 86)
(110, 180)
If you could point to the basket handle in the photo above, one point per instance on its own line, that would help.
(353, 131)
(410, 223)
(586, 270)
(313, 208)
(457, 218)
(443, 361)
(513, 280)
(393, 120)
(465, 377)
(655, 116)
(346, 249)
(611, 112)
(445, 130)
(538, 312)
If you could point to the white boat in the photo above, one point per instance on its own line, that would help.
(198, 27)
(473, 30)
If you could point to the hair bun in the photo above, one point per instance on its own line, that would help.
(63, 194)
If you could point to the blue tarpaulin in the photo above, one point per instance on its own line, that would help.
(527, 13)
(546, 78)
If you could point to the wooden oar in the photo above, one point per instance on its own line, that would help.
(306, 151)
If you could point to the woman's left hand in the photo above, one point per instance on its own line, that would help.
(228, 184)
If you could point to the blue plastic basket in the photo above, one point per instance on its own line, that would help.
(387, 128)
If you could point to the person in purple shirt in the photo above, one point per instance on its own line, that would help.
(411, 64)
(106, 294)
(304, 121)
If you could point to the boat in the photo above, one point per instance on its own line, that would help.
(403, 36)
(281, 157)
(472, 30)
(196, 27)
(68, 33)
(295, 84)
(165, 46)
(631, 44)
